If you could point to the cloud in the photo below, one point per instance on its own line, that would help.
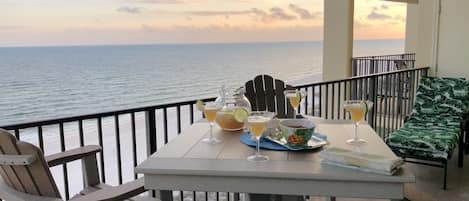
(400, 18)
(374, 15)
(378, 16)
(303, 13)
(226, 33)
(360, 24)
(279, 14)
(274, 14)
(129, 9)
(159, 1)
(218, 13)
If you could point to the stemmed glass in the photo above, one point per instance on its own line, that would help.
(358, 110)
(257, 122)
(210, 112)
(294, 97)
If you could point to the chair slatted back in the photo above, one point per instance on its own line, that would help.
(267, 94)
(35, 178)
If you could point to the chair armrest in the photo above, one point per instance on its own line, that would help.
(72, 155)
(117, 193)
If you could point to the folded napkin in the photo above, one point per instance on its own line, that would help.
(361, 161)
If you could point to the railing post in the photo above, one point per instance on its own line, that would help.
(400, 93)
(150, 118)
(373, 95)
(354, 67)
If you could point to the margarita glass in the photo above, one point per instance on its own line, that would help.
(357, 110)
(294, 97)
(257, 122)
(210, 112)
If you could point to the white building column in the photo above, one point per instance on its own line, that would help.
(411, 28)
(427, 34)
(338, 39)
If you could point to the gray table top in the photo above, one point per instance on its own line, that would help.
(187, 155)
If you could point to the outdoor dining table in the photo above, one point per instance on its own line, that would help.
(188, 164)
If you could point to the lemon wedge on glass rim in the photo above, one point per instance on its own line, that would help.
(200, 105)
(364, 105)
(299, 95)
(240, 114)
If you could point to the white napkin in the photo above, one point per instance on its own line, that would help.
(361, 161)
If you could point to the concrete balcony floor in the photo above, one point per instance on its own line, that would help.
(430, 181)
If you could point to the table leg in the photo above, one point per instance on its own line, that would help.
(236, 197)
(166, 195)
(292, 198)
(405, 199)
(268, 197)
(262, 197)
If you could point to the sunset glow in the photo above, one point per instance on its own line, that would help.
(58, 22)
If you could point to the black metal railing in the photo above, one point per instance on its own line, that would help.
(392, 94)
(384, 63)
(129, 136)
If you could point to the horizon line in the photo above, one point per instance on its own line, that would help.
(194, 43)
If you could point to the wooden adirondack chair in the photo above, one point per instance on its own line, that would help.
(266, 93)
(25, 173)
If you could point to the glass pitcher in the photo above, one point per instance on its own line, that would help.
(231, 98)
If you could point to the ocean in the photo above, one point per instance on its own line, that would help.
(39, 83)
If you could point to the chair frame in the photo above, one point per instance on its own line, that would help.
(266, 93)
(93, 189)
(462, 146)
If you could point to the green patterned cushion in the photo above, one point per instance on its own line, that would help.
(425, 140)
(433, 128)
(441, 95)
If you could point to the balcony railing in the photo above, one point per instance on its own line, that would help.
(129, 136)
(385, 63)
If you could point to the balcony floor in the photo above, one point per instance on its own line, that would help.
(429, 183)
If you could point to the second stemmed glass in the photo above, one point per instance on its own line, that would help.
(210, 112)
(294, 97)
(358, 110)
(257, 122)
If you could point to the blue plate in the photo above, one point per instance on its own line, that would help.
(317, 141)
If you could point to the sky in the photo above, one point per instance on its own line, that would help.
(90, 22)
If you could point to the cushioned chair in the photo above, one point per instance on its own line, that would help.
(435, 126)
(25, 174)
(266, 94)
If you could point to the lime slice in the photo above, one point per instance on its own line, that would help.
(200, 105)
(365, 106)
(240, 114)
(299, 95)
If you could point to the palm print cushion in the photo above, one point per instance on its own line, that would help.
(432, 130)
